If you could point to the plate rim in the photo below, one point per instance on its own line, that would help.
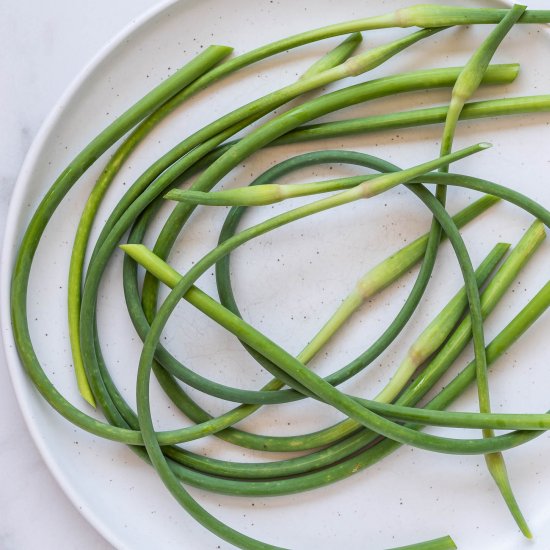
(7, 258)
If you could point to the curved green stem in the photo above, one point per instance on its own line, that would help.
(201, 64)
(441, 543)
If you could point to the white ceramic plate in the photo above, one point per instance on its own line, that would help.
(412, 495)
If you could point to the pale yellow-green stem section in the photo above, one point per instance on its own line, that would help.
(470, 77)
(269, 193)
(435, 15)
(467, 83)
(336, 56)
(519, 256)
(378, 278)
(200, 65)
(497, 468)
(431, 338)
(361, 186)
(465, 86)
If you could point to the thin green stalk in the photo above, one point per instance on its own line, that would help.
(441, 543)
(367, 188)
(374, 281)
(414, 16)
(427, 343)
(262, 195)
(337, 55)
(517, 200)
(130, 206)
(466, 85)
(497, 421)
(405, 119)
(193, 70)
(417, 117)
(165, 273)
(286, 363)
(470, 78)
(477, 184)
(245, 196)
(508, 272)
(380, 276)
(434, 15)
(328, 102)
(370, 455)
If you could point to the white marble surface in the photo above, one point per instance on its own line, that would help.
(44, 46)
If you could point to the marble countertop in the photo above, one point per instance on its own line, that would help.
(44, 45)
